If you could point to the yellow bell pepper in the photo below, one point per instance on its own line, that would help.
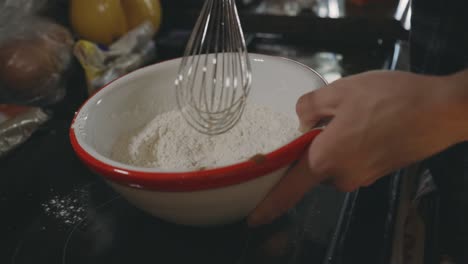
(138, 11)
(104, 21)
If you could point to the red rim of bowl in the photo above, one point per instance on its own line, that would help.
(197, 180)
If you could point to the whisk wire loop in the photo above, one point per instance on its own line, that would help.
(214, 77)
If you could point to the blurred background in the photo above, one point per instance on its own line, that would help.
(106, 39)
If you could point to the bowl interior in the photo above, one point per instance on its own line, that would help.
(130, 102)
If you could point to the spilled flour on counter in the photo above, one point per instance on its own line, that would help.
(168, 142)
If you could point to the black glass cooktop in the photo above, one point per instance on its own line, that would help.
(54, 210)
(93, 224)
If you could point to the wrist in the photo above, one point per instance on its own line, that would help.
(454, 107)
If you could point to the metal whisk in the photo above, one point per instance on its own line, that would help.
(215, 75)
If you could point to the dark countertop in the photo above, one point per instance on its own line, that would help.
(45, 166)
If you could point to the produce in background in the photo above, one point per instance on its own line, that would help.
(105, 21)
(34, 55)
(131, 51)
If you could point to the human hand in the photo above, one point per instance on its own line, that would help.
(381, 121)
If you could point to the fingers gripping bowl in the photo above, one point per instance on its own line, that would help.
(204, 197)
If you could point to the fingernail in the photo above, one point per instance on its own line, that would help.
(255, 219)
(252, 220)
(260, 217)
(303, 128)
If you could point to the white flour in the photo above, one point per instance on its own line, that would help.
(168, 142)
(69, 209)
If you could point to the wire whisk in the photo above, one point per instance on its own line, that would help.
(215, 75)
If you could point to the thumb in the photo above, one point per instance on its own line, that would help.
(313, 107)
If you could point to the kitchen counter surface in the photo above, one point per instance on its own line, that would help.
(46, 167)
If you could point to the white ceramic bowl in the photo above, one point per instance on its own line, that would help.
(209, 197)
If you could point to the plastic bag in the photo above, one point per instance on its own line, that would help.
(131, 51)
(17, 123)
(24, 7)
(34, 55)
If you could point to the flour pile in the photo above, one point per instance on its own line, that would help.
(168, 142)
